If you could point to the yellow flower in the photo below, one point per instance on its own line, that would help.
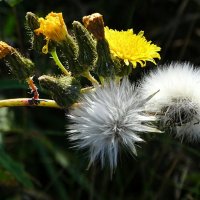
(131, 47)
(5, 49)
(53, 28)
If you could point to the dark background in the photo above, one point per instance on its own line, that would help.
(36, 159)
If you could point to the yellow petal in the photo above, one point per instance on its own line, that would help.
(131, 47)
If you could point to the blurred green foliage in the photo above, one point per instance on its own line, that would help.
(12, 3)
(36, 158)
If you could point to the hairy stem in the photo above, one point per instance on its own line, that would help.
(33, 88)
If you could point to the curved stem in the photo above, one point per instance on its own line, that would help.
(87, 75)
(29, 102)
(58, 63)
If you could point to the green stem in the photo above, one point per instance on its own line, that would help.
(28, 102)
(31, 102)
(87, 75)
(101, 78)
(58, 63)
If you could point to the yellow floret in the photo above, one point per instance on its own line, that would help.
(5, 49)
(53, 28)
(131, 47)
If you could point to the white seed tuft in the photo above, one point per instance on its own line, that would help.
(109, 118)
(178, 99)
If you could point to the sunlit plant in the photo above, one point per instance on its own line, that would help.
(107, 115)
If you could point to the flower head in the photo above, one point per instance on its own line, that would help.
(109, 118)
(130, 47)
(178, 100)
(52, 27)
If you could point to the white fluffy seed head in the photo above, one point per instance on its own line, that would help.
(107, 119)
(178, 99)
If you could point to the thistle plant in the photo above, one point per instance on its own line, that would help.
(107, 114)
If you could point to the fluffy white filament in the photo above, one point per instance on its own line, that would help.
(178, 98)
(107, 119)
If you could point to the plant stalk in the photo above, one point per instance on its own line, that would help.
(59, 64)
(29, 102)
(87, 75)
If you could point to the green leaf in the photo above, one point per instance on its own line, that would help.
(12, 3)
(51, 171)
(15, 168)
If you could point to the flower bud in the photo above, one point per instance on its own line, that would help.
(95, 24)
(32, 23)
(65, 90)
(21, 67)
(69, 55)
(87, 46)
(106, 66)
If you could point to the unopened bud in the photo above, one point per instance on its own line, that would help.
(32, 23)
(65, 90)
(106, 66)
(68, 50)
(87, 46)
(21, 67)
(32, 20)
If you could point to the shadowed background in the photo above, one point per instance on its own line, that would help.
(36, 158)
